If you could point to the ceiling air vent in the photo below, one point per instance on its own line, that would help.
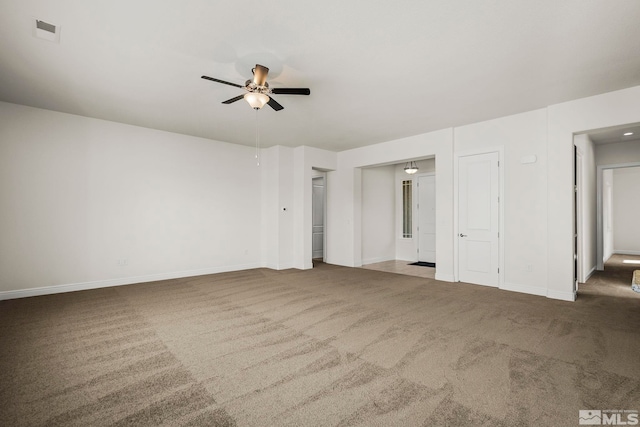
(46, 31)
(45, 26)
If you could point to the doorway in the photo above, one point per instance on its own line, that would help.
(479, 218)
(317, 218)
(617, 236)
(578, 235)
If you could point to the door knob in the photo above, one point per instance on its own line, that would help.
(463, 235)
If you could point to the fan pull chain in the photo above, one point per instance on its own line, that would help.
(257, 141)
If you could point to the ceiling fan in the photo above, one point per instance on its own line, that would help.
(258, 91)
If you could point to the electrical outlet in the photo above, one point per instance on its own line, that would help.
(122, 262)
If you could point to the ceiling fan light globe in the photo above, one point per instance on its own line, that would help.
(256, 100)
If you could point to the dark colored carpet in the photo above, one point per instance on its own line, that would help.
(331, 346)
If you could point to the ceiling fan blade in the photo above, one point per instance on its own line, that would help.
(221, 81)
(273, 104)
(237, 98)
(260, 74)
(291, 91)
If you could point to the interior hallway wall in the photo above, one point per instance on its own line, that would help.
(277, 168)
(626, 211)
(617, 153)
(608, 155)
(608, 225)
(378, 214)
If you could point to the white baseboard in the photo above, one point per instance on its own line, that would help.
(279, 266)
(561, 295)
(71, 287)
(623, 252)
(378, 259)
(590, 273)
(285, 265)
(525, 289)
(444, 277)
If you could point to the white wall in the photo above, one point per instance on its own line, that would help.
(563, 121)
(344, 210)
(588, 192)
(525, 193)
(617, 153)
(608, 225)
(305, 160)
(79, 195)
(378, 214)
(287, 203)
(546, 217)
(277, 207)
(626, 210)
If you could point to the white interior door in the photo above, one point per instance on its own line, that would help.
(478, 219)
(317, 218)
(427, 218)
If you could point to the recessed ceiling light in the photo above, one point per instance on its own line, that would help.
(628, 134)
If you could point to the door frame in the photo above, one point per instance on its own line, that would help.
(579, 216)
(456, 212)
(316, 174)
(417, 209)
(599, 213)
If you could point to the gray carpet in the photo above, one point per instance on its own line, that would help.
(331, 346)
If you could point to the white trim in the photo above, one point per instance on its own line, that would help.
(561, 295)
(579, 213)
(444, 277)
(416, 211)
(380, 259)
(525, 289)
(319, 175)
(501, 211)
(624, 252)
(282, 265)
(71, 287)
(589, 274)
(286, 265)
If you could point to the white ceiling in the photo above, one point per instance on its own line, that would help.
(377, 70)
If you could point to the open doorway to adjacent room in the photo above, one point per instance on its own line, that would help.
(399, 218)
(607, 229)
(318, 215)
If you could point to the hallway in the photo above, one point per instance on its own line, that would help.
(615, 280)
